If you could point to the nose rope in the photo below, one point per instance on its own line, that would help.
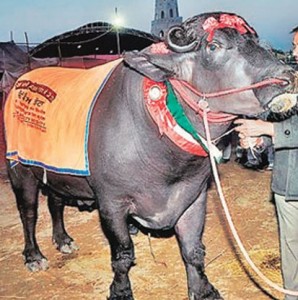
(224, 134)
(186, 92)
(228, 215)
(251, 147)
(259, 84)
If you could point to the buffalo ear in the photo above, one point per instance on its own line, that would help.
(154, 66)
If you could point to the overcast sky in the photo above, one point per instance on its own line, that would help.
(44, 19)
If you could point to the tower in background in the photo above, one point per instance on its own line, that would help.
(166, 15)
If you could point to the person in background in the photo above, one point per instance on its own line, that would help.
(258, 159)
(284, 183)
(295, 43)
(270, 157)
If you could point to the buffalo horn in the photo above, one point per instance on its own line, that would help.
(180, 48)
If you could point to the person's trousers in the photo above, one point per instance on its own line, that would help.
(287, 212)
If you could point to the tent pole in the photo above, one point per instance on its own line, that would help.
(28, 50)
(117, 32)
(2, 80)
(59, 53)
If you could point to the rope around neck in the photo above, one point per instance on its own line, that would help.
(187, 92)
(229, 218)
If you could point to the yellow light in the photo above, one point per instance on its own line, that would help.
(118, 22)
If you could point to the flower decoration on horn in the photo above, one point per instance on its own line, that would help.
(226, 21)
(159, 48)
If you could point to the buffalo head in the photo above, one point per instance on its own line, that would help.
(216, 52)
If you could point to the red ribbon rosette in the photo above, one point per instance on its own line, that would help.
(225, 21)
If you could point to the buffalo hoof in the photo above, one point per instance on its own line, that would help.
(65, 244)
(67, 248)
(122, 294)
(214, 295)
(193, 297)
(123, 297)
(209, 294)
(37, 265)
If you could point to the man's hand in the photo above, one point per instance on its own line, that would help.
(250, 142)
(253, 128)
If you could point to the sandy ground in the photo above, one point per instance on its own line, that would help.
(87, 274)
(159, 272)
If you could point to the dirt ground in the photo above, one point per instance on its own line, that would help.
(159, 272)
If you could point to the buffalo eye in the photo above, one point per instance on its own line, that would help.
(213, 46)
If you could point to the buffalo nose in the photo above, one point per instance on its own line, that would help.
(283, 103)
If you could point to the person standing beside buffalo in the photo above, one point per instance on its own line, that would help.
(284, 185)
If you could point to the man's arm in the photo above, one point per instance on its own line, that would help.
(284, 134)
(254, 128)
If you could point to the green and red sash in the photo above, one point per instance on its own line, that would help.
(168, 114)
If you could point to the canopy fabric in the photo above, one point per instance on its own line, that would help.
(14, 62)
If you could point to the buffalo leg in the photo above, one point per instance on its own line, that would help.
(189, 231)
(63, 242)
(122, 250)
(25, 187)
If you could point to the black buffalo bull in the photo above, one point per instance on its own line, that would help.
(138, 173)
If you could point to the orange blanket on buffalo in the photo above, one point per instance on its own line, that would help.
(47, 116)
